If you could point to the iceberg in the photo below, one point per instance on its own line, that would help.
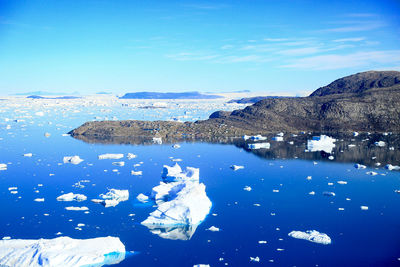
(77, 208)
(130, 156)
(321, 143)
(71, 197)
(72, 159)
(113, 197)
(61, 251)
(259, 146)
(390, 167)
(177, 232)
(142, 198)
(110, 156)
(180, 202)
(277, 138)
(237, 167)
(312, 236)
(3, 167)
(359, 166)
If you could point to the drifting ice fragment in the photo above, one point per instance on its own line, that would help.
(256, 259)
(72, 159)
(312, 236)
(237, 167)
(175, 173)
(3, 167)
(114, 197)
(329, 194)
(39, 199)
(28, 155)
(247, 188)
(259, 146)
(77, 208)
(321, 143)
(359, 166)
(131, 156)
(364, 207)
(119, 163)
(176, 146)
(110, 156)
(61, 251)
(390, 167)
(372, 173)
(277, 138)
(142, 198)
(71, 197)
(136, 173)
(213, 229)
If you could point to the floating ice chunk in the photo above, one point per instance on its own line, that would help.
(280, 134)
(71, 197)
(113, 197)
(341, 182)
(47, 134)
(12, 188)
(213, 229)
(247, 188)
(77, 208)
(3, 167)
(364, 207)
(312, 193)
(262, 242)
(110, 156)
(62, 251)
(372, 173)
(157, 140)
(72, 159)
(351, 145)
(176, 146)
(136, 173)
(131, 156)
(257, 137)
(255, 259)
(201, 265)
(175, 173)
(331, 157)
(380, 143)
(39, 199)
(329, 194)
(390, 167)
(312, 236)
(7, 238)
(142, 198)
(119, 163)
(355, 134)
(176, 232)
(277, 138)
(259, 146)
(359, 166)
(321, 143)
(28, 155)
(237, 167)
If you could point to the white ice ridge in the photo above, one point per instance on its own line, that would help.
(113, 197)
(183, 202)
(259, 145)
(72, 159)
(321, 143)
(61, 251)
(312, 236)
(71, 197)
(111, 156)
(175, 173)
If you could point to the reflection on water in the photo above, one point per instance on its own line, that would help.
(179, 232)
(361, 149)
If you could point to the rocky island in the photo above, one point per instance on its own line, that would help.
(363, 102)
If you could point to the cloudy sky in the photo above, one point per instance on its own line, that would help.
(211, 46)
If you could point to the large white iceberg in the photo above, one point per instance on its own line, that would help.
(312, 236)
(183, 202)
(321, 143)
(61, 251)
(71, 197)
(72, 159)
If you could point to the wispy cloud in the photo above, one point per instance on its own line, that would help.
(353, 39)
(184, 56)
(340, 61)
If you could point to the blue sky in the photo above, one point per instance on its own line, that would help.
(211, 46)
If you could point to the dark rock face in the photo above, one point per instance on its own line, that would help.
(251, 100)
(360, 82)
(364, 102)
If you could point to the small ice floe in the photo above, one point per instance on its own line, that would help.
(136, 173)
(397, 191)
(175, 173)
(312, 236)
(380, 143)
(262, 242)
(72, 159)
(119, 163)
(28, 155)
(359, 166)
(355, 134)
(39, 199)
(3, 167)
(372, 173)
(351, 145)
(255, 259)
(390, 167)
(71, 197)
(77, 208)
(321, 143)
(110, 156)
(113, 197)
(62, 251)
(277, 138)
(237, 167)
(142, 198)
(259, 146)
(330, 183)
(176, 146)
(329, 194)
(247, 188)
(157, 140)
(213, 229)
(341, 182)
(201, 265)
(131, 156)
(312, 193)
(7, 238)
(47, 134)
(364, 207)
(309, 178)
(331, 157)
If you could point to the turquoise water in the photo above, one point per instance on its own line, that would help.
(359, 237)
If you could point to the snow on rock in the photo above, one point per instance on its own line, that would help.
(312, 236)
(71, 197)
(259, 146)
(113, 197)
(110, 156)
(237, 167)
(61, 251)
(277, 138)
(157, 140)
(175, 173)
(72, 159)
(321, 143)
(380, 143)
(181, 202)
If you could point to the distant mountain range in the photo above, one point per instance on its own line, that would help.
(169, 95)
(57, 97)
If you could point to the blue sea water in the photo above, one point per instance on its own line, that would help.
(359, 237)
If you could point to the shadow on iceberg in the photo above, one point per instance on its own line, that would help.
(178, 232)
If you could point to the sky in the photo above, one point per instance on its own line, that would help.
(281, 47)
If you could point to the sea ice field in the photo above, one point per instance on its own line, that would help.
(304, 199)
